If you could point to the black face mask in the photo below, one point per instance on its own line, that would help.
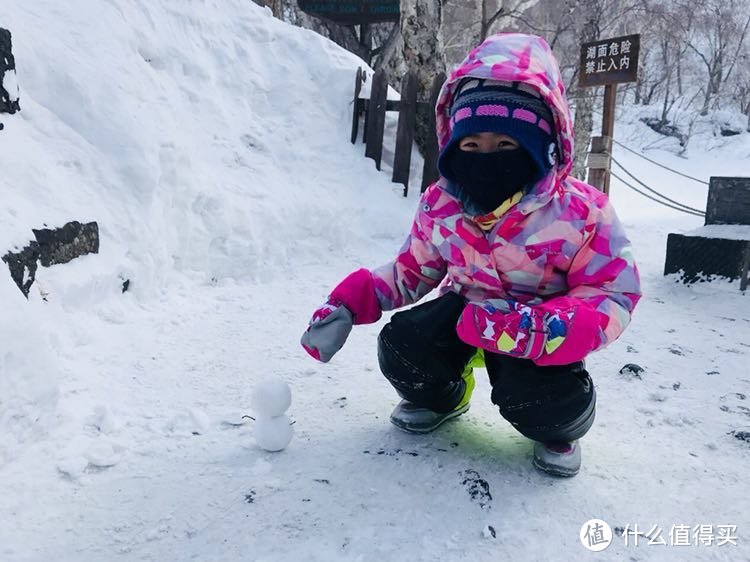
(488, 179)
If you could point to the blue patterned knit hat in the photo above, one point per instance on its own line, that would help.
(507, 108)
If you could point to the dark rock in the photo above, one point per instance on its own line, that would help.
(729, 131)
(742, 435)
(663, 127)
(23, 266)
(7, 62)
(61, 245)
(676, 386)
(250, 498)
(125, 285)
(52, 246)
(632, 370)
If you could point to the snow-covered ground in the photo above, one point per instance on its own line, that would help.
(210, 143)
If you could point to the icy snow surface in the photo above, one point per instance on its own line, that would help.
(210, 142)
(727, 231)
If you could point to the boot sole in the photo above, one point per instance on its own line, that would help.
(555, 470)
(423, 430)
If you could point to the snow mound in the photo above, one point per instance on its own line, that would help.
(29, 377)
(211, 146)
(208, 142)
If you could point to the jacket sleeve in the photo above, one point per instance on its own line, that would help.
(603, 289)
(417, 269)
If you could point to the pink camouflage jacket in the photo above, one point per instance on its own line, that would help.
(552, 280)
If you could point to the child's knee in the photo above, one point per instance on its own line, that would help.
(547, 406)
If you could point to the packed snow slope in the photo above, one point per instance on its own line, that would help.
(210, 142)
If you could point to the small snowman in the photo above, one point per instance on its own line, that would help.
(270, 400)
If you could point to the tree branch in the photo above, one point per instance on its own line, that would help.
(740, 43)
(490, 22)
(701, 55)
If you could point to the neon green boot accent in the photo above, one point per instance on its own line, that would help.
(416, 419)
(476, 362)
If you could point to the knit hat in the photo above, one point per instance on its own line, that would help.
(508, 108)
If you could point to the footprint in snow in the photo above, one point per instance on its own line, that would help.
(478, 488)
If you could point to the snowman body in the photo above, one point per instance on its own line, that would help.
(270, 400)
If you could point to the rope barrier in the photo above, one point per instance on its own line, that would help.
(652, 190)
(631, 186)
(618, 143)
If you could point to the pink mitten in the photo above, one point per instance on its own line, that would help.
(329, 327)
(353, 301)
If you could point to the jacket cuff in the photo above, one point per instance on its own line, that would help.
(357, 293)
(574, 334)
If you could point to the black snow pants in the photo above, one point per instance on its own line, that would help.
(423, 358)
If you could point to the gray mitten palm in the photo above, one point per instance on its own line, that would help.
(327, 332)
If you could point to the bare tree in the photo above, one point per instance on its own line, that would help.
(466, 23)
(588, 23)
(722, 26)
(461, 31)
(566, 25)
(665, 48)
(276, 7)
(695, 54)
(741, 92)
(421, 24)
(499, 14)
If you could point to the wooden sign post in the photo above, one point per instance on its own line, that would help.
(355, 12)
(607, 62)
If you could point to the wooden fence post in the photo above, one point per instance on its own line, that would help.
(430, 172)
(376, 117)
(407, 117)
(745, 273)
(365, 110)
(598, 161)
(357, 109)
(608, 125)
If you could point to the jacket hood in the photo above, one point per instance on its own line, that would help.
(515, 57)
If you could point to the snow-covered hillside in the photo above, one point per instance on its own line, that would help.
(210, 142)
(206, 142)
